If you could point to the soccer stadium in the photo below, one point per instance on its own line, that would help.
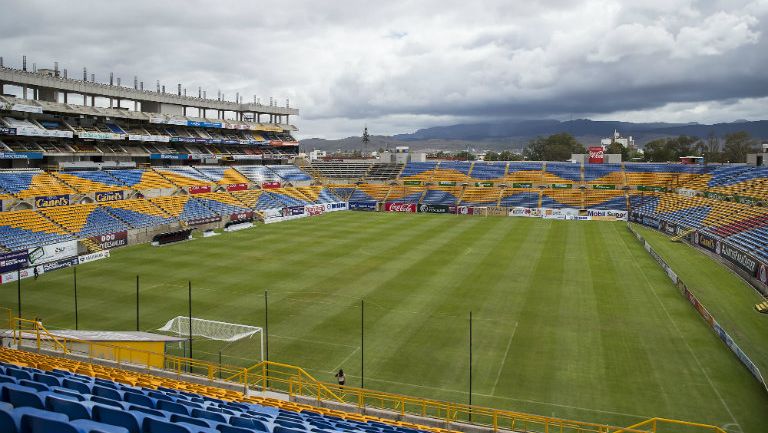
(171, 263)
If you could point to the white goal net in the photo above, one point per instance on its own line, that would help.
(212, 330)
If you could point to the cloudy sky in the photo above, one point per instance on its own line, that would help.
(396, 66)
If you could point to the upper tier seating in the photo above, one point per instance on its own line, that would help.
(421, 171)
(138, 213)
(442, 196)
(223, 175)
(141, 179)
(380, 172)
(28, 184)
(562, 172)
(258, 173)
(340, 170)
(91, 181)
(489, 170)
(184, 207)
(474, 196)
(184, 176)
(526, 172)
(290, 173)
(84, 220)
(452, 171)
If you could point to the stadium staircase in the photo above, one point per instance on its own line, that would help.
(92, 246)
(682, 235)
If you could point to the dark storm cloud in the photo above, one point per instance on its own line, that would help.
(400, 65)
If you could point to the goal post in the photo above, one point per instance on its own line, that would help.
(214, 330)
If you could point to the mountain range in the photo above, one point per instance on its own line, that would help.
(514, 135)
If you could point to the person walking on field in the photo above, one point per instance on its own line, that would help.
(340, 377)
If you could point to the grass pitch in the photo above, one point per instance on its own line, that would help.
(570, 319)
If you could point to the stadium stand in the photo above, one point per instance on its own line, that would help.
(184, 207)
(141, 179)
(222, 175)
(559, 172)
(27, 228)
(84, 220)
(90, 181)
(384, 172)
(258, 173)
(290, 173)
(442, 196)
(523, 172)
(44, 393)
(478, 196)
(184, 176)
(452, 171)
(512, 197)
(418, 171)
(489, 171)
(406, 194)
(138, 213)
(339, 169)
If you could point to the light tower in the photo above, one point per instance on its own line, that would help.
(365, 140)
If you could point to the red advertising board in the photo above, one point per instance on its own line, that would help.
(596, 154)
(237, 187)
(270, 185)
(199, 189)
(111, 240)
(241, 216)
(314, 209)
(465, 210)
(396, 206)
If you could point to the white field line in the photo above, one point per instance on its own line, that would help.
(504, 360)
(682, 337)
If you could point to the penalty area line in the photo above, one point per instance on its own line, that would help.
(504, 360)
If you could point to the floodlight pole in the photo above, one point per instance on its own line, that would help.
(190, 322)
(265, 339)
(470, 365)
(362, 343)
(18, 288)
(137, 302)
(74, 277)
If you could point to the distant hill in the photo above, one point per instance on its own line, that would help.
(516, 134)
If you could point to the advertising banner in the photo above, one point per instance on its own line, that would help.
(394, 206)
(437, 208)
(608, 214)
(446, 183)
(486, 184)
(562, 186)
(762, 273)
(111, 240)
(14, 260)
(7, 131)
(708, 242)
(106, 196)
(58, 264)
(100, 135)
(738, 352)
(293, 211)
(522, 185)
(698, 306)
(520, 212)
(596, 154)
(93, 257)
(604, 187)
(335, 206)
(199, 189)
(183, 156)
(412, 182)
(49, 253)
(270, 185)
(497, 211)
(237, 187)
(649, 221)
(668, 227)
(363, 205)
(739, 258)
(206, 220)
(51, 201)
(651, 188)
(314, 209)
(241, 216)
(465, 210)
(21, 155)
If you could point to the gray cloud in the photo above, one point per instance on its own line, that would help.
(401, 65)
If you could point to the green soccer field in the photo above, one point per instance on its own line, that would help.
(570, 319)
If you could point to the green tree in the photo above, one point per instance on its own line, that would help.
(557, 147)
(510, 156)
(465, 156)
(491, 156)
(737, 146)
(618, 148)
(670, 149)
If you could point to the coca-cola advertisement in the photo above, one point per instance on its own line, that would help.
(199, 189)
(237, 187)
(270, 185)
(596, 154)
(314, 209)
(396, 206)
(241, 216)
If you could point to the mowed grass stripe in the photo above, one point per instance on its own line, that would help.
(592, 341)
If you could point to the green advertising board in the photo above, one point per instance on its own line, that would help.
(446, 183)
(715, 195)
(522, 185)
(603, 186)
(562, 185)
(412, 182)
(746, 200)
(651, 188)
(485, 184)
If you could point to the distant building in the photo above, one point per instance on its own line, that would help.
(317, 154)
(402, 155)
(627, 142)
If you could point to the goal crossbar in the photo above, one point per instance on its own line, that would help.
(210, 329)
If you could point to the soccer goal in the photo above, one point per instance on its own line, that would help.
(214, 330)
